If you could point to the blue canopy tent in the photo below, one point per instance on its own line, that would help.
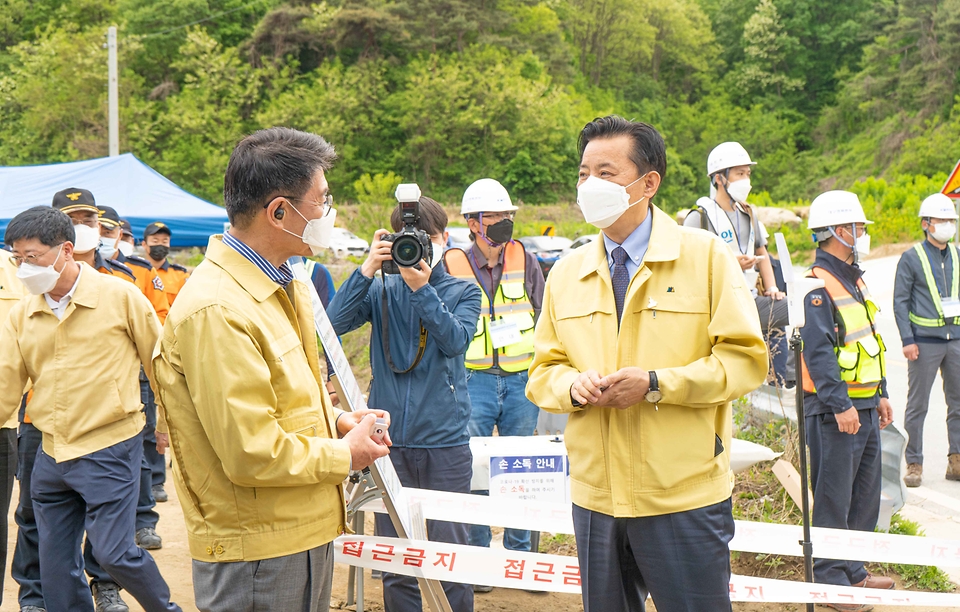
(140, 194)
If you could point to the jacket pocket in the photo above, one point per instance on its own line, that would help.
(677, 325)
(462, 409)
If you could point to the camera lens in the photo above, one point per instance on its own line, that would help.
(407, 251)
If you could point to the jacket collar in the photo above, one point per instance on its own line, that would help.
(87, 293)
(842, 270)
(249, 276)
(664, 245)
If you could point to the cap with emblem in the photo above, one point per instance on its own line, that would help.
(127, 229)
(109, 217)
(156, 227)
(74, 199)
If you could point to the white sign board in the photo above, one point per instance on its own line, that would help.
(535, 477)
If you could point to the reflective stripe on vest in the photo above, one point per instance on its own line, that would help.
(511, 303)
(934, 292)
(861, 358)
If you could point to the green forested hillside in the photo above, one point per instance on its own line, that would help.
(444, 91)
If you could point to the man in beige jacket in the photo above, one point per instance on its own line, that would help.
(258, 463)
(645, 337)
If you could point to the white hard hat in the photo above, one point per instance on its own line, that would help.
(486, 195)
(938, 206)
(727, 155)
(835, 208)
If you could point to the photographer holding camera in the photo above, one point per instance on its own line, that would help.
(422, 321)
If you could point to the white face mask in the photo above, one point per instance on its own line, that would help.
(107, 248)
(944, 232)
(318, 233)
(860, 246)
(739, 190)
(88, 238)
(39, 279)
(125, 248)
(437, 253)
(603, 202)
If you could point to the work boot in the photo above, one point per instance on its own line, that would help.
(482, 588)
(914, 475)
(953, 466)
(148, 539)
(159, 494)
(32, 609)
(876, 582)
(848, 607)
(106, 596)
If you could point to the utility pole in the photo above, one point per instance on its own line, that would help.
(113, 95)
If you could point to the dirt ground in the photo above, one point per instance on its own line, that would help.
(174, 562)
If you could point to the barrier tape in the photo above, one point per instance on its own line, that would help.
(752, 537)
(558, 573)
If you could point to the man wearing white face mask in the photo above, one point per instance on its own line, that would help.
(926, 304)
(86, 474)
(262, 460)
(844, 384)
(645, 338)
(422, 321)
(727, 214)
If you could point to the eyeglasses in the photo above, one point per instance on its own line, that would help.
(30, 259)
(499, 216)
(326, 203)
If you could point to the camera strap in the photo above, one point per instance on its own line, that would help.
(421, 346)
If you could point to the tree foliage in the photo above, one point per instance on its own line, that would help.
(443, 92)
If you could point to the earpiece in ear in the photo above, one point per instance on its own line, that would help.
(278, 213)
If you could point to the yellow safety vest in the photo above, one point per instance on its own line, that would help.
(861, 360)
(510, 304)
(934, 292)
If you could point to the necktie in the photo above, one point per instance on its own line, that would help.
(621, 280)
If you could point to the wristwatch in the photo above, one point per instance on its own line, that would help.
(653, 396)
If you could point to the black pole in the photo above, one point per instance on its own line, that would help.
(796, 343)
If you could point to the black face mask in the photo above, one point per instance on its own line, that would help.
(500, 232)
(159, 252)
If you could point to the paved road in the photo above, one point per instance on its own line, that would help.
(879, 276)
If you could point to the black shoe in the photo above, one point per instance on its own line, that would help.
(147, 538)
(32, 609)
(482, 588)
(159, 494)
(106, 596)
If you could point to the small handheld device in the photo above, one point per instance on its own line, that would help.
(379, 431)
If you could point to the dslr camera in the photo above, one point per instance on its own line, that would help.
(410, 244)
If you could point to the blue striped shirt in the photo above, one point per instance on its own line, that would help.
(282, 275)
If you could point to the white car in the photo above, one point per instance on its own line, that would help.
(579, 242)
(459, 237)
(346, 243)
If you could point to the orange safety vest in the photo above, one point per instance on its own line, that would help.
(860, 352)
(510, 304)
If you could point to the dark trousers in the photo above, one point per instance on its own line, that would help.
(96, 493)
(26, 556)
(8, 471)
(945, 358)
(153, 459)
(845, 472)
(682, 560)
(437, 469)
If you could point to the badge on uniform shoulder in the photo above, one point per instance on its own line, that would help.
(157, 283)
(816, 299)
